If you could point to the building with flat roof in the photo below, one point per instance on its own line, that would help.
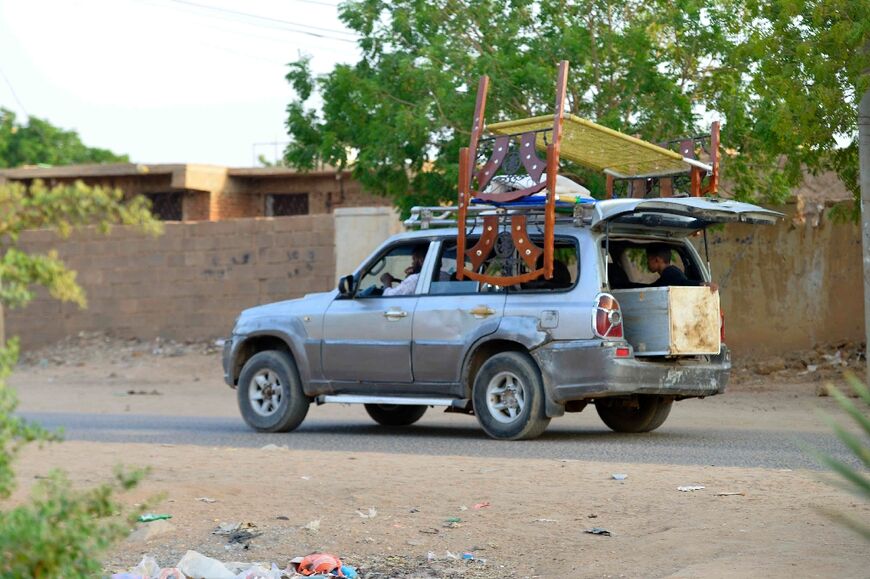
(192, 192)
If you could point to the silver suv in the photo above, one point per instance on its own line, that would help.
(600, 331)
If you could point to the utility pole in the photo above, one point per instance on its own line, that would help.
(864, 164)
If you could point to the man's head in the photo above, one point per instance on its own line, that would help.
(418, 256)
(658, 257)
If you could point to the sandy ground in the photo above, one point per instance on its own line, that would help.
(537, 510)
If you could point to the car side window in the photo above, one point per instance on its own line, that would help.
(395, 272)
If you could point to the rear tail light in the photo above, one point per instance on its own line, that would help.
(608, 317)
(623, 352)
(722, 327)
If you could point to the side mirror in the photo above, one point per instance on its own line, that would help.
(346, 286)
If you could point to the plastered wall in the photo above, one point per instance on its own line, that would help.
(789, 287)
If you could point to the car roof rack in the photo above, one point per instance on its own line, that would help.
(429, 217)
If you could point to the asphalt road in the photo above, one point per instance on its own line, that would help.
(439, 434)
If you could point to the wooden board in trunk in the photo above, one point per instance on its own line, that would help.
(671, 321)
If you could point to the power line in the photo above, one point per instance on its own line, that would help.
(257, 16)
(14, 95)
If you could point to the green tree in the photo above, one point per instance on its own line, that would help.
(649, 68)
(59, 531)
(40, 142)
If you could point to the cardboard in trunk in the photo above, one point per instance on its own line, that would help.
(671, 321)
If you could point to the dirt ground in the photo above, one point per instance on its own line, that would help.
(389, 514)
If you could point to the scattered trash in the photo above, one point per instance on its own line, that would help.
(230, 528)
(197, 565)
(453, 520)
(430, 531)
(592, 516)
(206, 499)
(243, 537)
(690, 488)
(282, 518)
(468, 556)
(319, 563)
(463, 508)
(450, 555)
(313, 526)
(371, 514)
(482, 505)
(731, 494)
(148, 517)
(598, 531)
(305, 477)
(414, 510)
(431, 556)
(619, 476)
(546, 521)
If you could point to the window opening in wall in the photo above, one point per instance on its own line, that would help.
(278, 205)
(166, 206)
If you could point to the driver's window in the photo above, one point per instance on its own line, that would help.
(396, 271)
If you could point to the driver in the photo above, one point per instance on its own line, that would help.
(409, 284)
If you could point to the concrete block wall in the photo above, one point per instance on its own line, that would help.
(189, 283)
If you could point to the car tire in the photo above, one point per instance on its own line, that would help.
(396, 415)
(270, 393)
(634, 413)
(508, 397)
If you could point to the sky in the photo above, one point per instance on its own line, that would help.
(166, 81)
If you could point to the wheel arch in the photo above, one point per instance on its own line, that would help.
(483, 351)
(255, 344)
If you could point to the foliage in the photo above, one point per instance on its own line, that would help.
(853, 480)
(782, 75)
(63, 208)
(60, 532)
(40, 142)
(789, 88)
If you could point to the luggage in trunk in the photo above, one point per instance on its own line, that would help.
(671, 321)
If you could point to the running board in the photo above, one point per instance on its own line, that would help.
(395, 400)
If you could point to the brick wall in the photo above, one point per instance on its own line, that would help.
(190, 282)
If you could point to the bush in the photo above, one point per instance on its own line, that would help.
(58, 532)
(853, 480)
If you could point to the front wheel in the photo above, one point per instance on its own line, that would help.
(270, 393)
(396, 415)
(634, 413)
(508, 397)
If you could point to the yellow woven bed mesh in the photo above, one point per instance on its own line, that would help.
(600, 148)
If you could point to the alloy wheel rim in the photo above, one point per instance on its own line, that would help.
(505, 397)
(265, 392)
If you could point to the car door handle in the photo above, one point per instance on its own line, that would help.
(482, 311)
(395, 314)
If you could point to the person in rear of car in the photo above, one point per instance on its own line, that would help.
(658, 260)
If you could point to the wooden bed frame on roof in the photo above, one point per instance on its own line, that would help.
(535, 167)
(515, 143)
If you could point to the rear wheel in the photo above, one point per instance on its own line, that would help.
(634, 413)
(508, 397)
(270, 393)
(395, 414)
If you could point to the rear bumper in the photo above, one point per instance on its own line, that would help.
(579, 370)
